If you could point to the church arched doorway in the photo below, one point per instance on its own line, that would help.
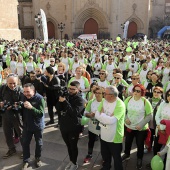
(91, 26)
(132, 29)
(51, 30)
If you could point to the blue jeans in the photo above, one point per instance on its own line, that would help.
(26, 140)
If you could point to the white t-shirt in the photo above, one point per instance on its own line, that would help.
(109, 68)
(103, 84)
(30, 66)
(20, 69)
(108, 131)
(13, 66)
(135, 112)
(93, 122)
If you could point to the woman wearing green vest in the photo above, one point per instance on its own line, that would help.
(90, 111)
(139, 112)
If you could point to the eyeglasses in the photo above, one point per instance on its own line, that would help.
(134, 78)
(101, 73)
(51, 61)
(98, 93)
(107, 94)
(137, 91)
(158, 92)
(117, 78)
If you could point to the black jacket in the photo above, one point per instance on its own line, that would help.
(39, 87)
(150, 87)
(51, 91)
(33, 119)
(70, 112)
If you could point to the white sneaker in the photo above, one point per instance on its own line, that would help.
(73, 167)
(68, 165)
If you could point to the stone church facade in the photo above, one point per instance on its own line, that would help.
(9, 20)
(103, 17)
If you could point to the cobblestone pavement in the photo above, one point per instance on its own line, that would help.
(55, 157)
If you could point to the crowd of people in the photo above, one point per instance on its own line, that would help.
(122, 87)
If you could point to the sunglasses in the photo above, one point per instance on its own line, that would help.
(158, 92)
(101, 73)
(134, 78)
(137, 91)
(168, 95)
(12, 75)
(117, 78)
(51, 61)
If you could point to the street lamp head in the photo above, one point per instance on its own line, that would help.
(35, 17)
(39, 15)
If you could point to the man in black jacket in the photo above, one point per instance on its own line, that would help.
(71, 111)
(10, 93)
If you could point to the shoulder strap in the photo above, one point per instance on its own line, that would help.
(2, 90)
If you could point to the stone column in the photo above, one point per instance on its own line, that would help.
(9, 20)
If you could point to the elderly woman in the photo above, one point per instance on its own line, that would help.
(139, 112)
(90, 111)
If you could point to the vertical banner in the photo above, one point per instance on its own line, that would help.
(44, 26)
(126, 25)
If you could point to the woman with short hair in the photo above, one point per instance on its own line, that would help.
(139, 112)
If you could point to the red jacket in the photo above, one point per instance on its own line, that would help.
(163, 137)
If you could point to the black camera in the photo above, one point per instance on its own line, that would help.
(61, 90)
(4, 107)
(17, 105)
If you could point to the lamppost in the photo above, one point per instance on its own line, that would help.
(38, 22)
(61, 27)
(122, 26)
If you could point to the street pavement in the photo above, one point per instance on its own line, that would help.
(55, 156)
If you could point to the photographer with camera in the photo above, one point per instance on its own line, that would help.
(10, 93)
(70, 110)
(33, 123)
